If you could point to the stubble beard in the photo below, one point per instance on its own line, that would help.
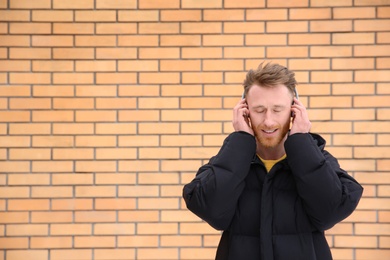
(272, 142)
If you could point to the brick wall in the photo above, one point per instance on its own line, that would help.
(107, 107)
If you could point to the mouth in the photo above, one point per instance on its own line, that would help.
(269, 132)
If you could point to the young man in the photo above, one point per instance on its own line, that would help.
(272, 188)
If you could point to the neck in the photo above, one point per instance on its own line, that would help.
(271, 153)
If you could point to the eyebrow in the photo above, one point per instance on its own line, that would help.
(275, 106)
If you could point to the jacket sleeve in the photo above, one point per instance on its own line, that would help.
(329, 194)
(214, 192)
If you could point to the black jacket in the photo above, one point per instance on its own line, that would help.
(280, 215)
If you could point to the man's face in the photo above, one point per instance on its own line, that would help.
(270, 114)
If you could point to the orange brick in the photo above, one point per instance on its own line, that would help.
(95, 216)
(130, 40)
(102, 254)
(181, 165)
(32, 78)
(73, 78)
(158, 153)
(39, 4)
(181, 15)
(154, 28)
(138, 191)
(116, 153)
(223, 40)
(13, 242)
(14, 192)
(73, 28)
(52, 41)
(29, 154)
(290, 26)
(353, 63)
(70, 229)
(243, 3)
(354, 114)
(116, 53)
(331, 51)
(28, 179)
(306, 38)
(138, 241)
(223, 15)
(244, 27)
(14, 15)
(224, 65)
(14, 141)
(51, 242)
(94, 242)
(370, 75)
(90, 166)
(29, 103)
(95, 66)
(204, 52)
(334, 76)
(159, 53)
(13, 91)
(72, 179)
(27, 230)
(52, 166)
(95, 191)
(137, 65)
(114, 229)
(383, 63)
(266, 14)
(51, 217)
(201, 77)
(73, 4)
(120, 178)
(244, 52)
(139, 140)
(52, 16)
(353, 38)
(383, 12)
(51, 66)
(157, 228)
(30, 53)
(356, 241)
(54, 116)
(265, 39)
(137, 16)
(118, 4)
(73, 53)
(14, 217)
(159, 178)
(281, 52)
(115, 128)
(160, 77)
(380, 254)
(27, 254)
(379, 50)
(183, 115)
(95, 16)
(197, 253)
(201, 27)
(331, 127)
(53, 91)
(71, 204)
(115, 204)
(310, 13)
(179, 65)
(354, 12)
(330, 26)
(70, 254)
(137, 90)
(96, 116)
(50, 192)
(116, 28)
(309, 64)
(197, 228)
(180, 40)
(115, 78)
(95, 41)
(371, 25)
(96, 91)
(30, 28)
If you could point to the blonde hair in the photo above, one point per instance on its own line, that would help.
(270, 75)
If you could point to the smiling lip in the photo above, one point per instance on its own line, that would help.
(269, 132)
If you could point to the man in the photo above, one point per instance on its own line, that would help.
(272, 188)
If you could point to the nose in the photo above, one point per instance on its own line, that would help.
(268, 121)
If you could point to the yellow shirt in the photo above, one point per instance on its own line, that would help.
(270, 163)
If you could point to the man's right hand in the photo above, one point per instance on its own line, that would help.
(241, 119)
